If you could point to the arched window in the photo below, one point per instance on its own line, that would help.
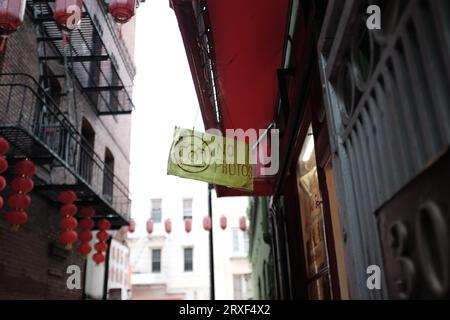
(87, 150)
(108, 175)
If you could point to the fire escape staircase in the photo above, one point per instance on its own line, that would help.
(39, 128)
(36, 129)
(89, 61)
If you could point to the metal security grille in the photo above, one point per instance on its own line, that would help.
(388, 102)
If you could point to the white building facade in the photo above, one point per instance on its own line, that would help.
(172, 265)
(119, 271)
(177, 265)
(231, 264)
(118, 278)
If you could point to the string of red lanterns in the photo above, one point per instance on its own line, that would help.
(67, 14)
(101, 246)
(4, 148)
(68, 223)
(11, 18)
(20, 201)
(132, 226)
(86, 225)
(207, 224)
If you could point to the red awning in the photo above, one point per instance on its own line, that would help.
(249, 39)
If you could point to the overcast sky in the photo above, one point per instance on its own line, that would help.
(165, 97)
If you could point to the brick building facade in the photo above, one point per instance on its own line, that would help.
(79, 141)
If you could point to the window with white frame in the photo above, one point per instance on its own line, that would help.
(188, 259)
(187, 208)
(156, 260)
(156, 213)
(240, 242)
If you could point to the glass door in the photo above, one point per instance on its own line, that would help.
(311, 210)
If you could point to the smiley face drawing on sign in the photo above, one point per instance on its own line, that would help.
(192, 153)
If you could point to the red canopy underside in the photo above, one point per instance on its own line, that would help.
(249, 38)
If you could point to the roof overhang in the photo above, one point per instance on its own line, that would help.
(235, 48)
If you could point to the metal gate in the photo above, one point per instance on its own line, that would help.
(388, 107)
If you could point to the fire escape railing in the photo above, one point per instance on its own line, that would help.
(93, 67)
(36, 129)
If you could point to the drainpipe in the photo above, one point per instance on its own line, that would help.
(211, 245)
(105, 280)
(84, 295)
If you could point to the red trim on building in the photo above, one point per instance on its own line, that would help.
(247, 42)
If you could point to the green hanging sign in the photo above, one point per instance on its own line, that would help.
(210, 158)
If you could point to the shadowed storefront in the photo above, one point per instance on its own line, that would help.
(363, 122)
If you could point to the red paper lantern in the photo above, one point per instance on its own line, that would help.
(11, 14)
(168, 225)
(1, 202)
(86, 224)
(132, 226)
(3, 164)
(67, 238)
(101, 247)
(67, 197)
(87, 212)
(85, 236)
(16, 219)
(19, 201)
(2, 183)
(68, 13)
(99, 258)
(207, 223)
(102, 235)
(223, 222)
(22, 185)
(104, 224)
(84, 249)
(243, 223)
(122, 10)
(150, 226)
(68, 223)
(4, 144)
(68, 210)
(188, 225)
(26, 168)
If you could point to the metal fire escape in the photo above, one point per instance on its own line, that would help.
(88, 61)
(40, 122)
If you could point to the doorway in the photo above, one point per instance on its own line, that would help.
(312, 221)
